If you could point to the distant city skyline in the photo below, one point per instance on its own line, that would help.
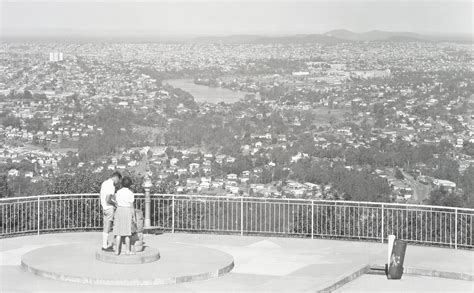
(198, 18)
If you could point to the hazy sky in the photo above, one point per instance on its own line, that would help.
(193, 17)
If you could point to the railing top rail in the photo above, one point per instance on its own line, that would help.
(46, 195)
(332, 202)
(52, 195)
(337, 202)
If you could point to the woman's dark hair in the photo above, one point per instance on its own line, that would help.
(117, 174)
(126, 182)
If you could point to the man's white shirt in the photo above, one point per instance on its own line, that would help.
(106, 188)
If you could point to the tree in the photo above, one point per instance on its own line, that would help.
(116, 125)
(35, 124)
(354, 185)
(467, 185)
(21, 186)
(12, 121)
(446, 169)
(468, 148)
(80, 182)
(4, 191)
(440, 197)
(27, 95)
(399, 174)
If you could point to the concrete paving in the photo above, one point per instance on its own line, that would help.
(261, 263)
(408, 283)
(180, 263)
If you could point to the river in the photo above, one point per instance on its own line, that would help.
(206, 94)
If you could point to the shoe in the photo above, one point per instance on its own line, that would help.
(108, 249)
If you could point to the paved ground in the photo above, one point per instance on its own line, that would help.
(261, 263)
(377, 283)
(179, 262)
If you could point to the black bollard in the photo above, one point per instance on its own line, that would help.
(395, 267)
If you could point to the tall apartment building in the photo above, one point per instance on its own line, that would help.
(55, 56)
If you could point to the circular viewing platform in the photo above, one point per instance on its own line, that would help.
(81, 263)
(149, 254)
(66, 262)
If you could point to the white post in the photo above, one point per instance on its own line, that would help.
(391, 240)
(456, 228)
(241, 216)
(381, 237)
(312, 219)
(172, 213)
(38, 215)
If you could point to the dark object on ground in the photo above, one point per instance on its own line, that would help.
(154, 231)
(395, 268)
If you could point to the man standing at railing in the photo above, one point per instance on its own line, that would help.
(107, 201)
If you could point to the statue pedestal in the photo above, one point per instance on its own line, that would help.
(148, 254)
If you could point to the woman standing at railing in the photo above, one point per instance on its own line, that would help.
(124, 216)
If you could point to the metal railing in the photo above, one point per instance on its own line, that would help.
(429, 225)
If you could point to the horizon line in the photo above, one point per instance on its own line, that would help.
(153, 33)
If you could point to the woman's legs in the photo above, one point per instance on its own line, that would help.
(118, 241)
(127, 243)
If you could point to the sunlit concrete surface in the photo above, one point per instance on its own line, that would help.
(180, 263)
(261, 263)
(408, 283)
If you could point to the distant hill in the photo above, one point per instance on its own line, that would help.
(402, 39)
(344, 34)
(334, 37)
(377, 35)
(371, 35)
(232, 39)
(301, 39)
(255, 39)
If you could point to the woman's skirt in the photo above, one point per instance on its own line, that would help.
(123, 221)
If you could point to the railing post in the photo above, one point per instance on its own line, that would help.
(456, 228)
(241, 216)
(38, 215)
(381, 237)
(312, 219)
(172, 213)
